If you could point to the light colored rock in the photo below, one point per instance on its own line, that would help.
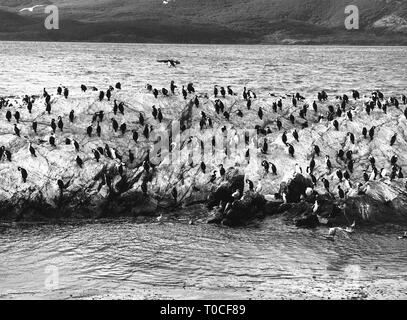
(184, 173)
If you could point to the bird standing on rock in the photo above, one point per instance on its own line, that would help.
(34, 126)
(222, 92)
(326, 184)
(222, 171)
(98, 129)
(24, 174)
(89, 130)
(146, 132)
(341, 193)
(16, 130)
(101, 95)
(76, 145)
(174, 194)
(66, 93)
(154, 112)
(121, 107)
(291, 150)
(79, 161)
(284, 137)
(264, 147)
(393, 139)
(131, 156)
(96, 154)
(32, 150)
(328, 163)
(260, 113)
(17, 116)
(123, 128)
(317, 150)
(312, 165)
(292, 118)
(250, 184)
(296, 136)
(53, 125)
(393, 160)
(339, 174)
(184, 93)
(115, 125)
(350, 116)
(364, 132)
(60, 124)
(71, 115)
(173, 87)
(8, 115)
(351, 137)
(336, 125)
(52, 140)
(160, 115)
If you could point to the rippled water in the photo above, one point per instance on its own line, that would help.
(128, 259)
(27, 67)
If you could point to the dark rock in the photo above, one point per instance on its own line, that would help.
(295, 188)
(308, 221)
(241, 211)
(234, 181)
(272, 207)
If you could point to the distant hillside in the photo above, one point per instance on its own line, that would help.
(209, 21)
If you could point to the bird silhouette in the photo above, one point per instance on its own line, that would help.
(31, 9)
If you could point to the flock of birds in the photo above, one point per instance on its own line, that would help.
(376, 100)
(59, 125)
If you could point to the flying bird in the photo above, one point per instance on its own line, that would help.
(32, 8)
(170, 62)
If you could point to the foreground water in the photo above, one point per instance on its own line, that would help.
(126, 259)
(129, 259)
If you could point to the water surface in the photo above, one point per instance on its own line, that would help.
(128, 259)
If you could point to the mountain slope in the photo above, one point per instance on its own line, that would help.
(229, 21)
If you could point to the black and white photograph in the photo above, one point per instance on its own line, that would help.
(203, 150)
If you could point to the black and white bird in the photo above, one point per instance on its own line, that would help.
(52, 140)
(326, 184)
(393, 139)
(24, 174)
(341, 193)
(291, 150)
(296, 136)
(328, 163)
(60, 124)
(16, 130)
(32, 150)
(79, 161)
(96, 154)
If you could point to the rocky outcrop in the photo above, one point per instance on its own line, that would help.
(178, 163)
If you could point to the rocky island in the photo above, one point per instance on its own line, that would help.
(88, 153)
